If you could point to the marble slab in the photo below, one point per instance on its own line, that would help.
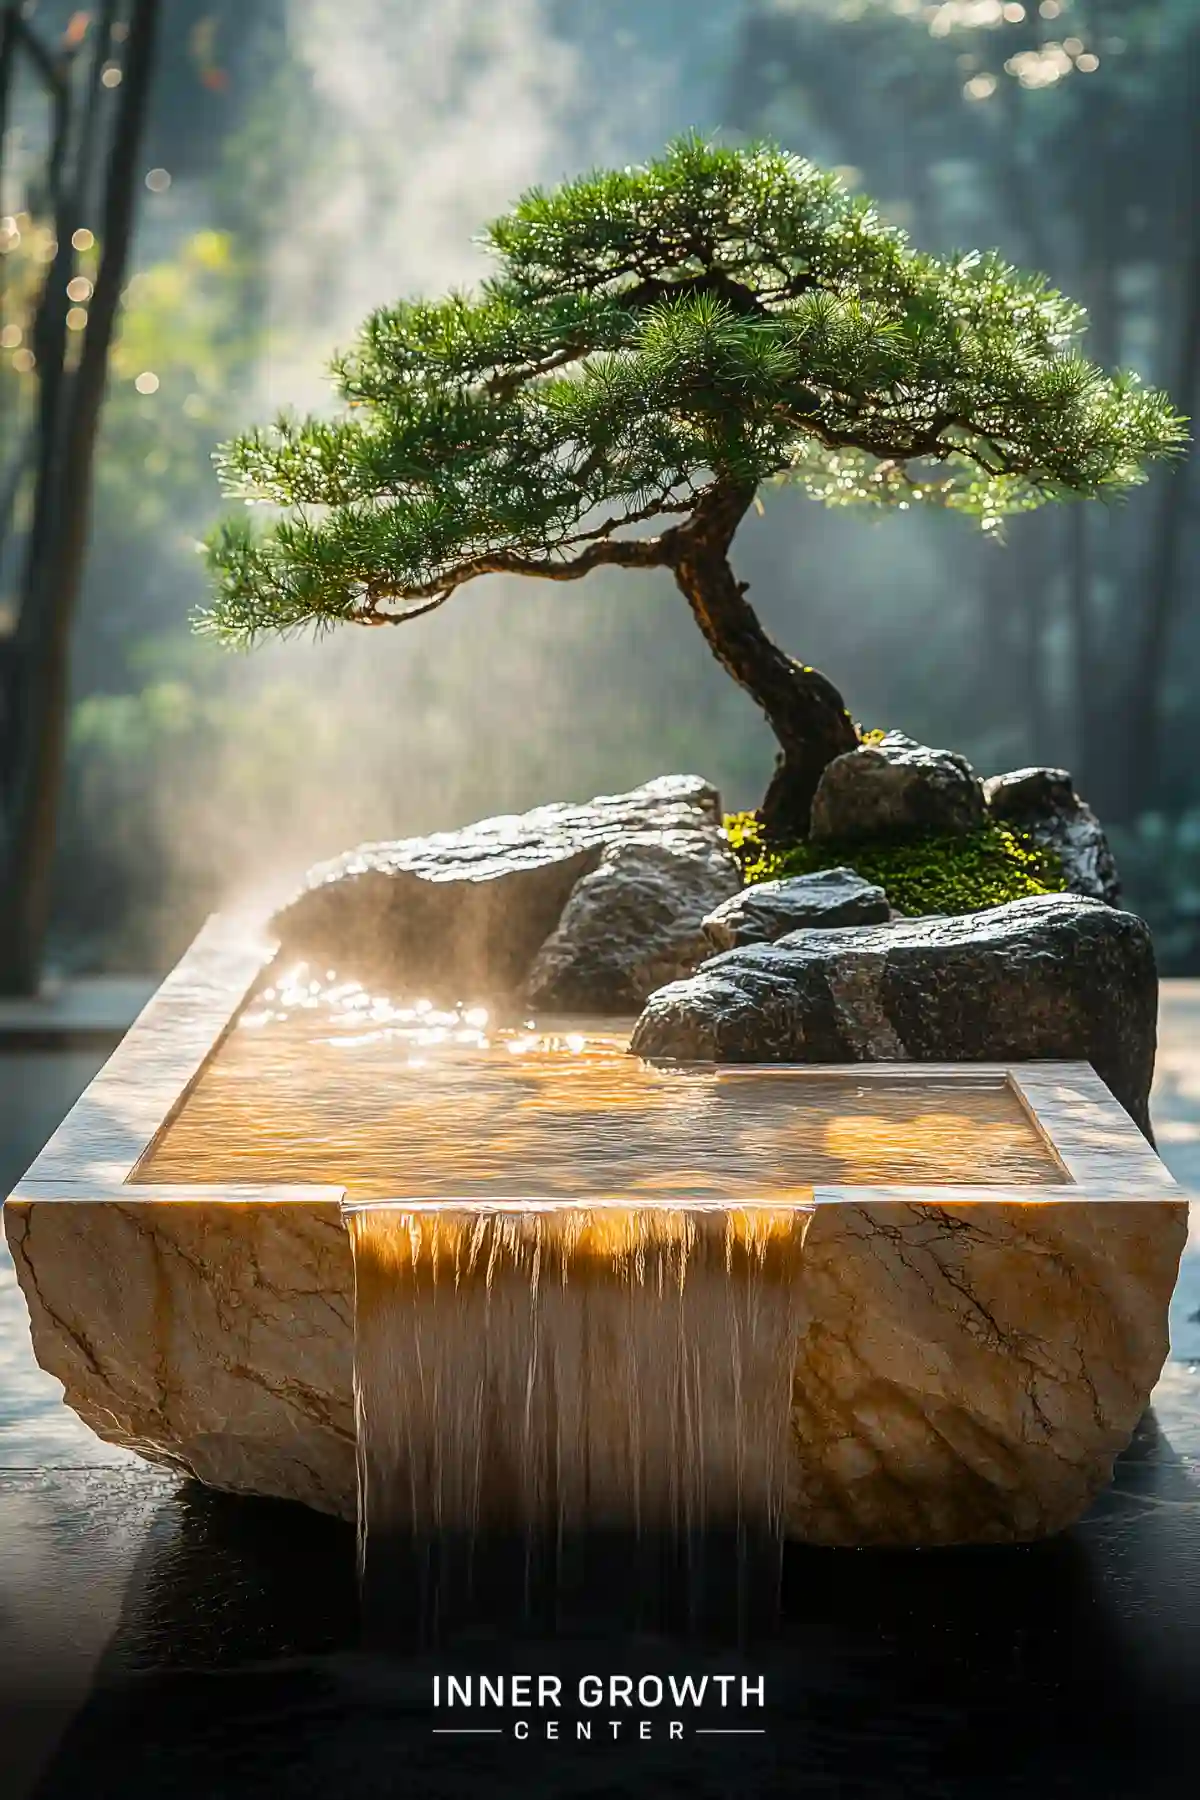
(970, 1361)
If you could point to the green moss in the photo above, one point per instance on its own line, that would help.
(921, 875)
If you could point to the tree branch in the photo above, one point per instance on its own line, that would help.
(633, 518)
(636, 553)
(502, 386)
(370, 616)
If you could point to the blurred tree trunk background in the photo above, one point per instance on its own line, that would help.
(89, 173)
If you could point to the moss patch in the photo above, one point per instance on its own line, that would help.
(920, 875)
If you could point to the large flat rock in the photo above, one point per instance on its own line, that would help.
(464, 914)
(214, 1337)
(1051, 976)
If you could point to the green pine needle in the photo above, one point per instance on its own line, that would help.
(718, 314)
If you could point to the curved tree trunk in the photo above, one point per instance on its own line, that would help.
(803, 708)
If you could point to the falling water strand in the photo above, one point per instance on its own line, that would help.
(556, 1372)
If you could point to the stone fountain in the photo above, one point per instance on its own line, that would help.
(875, 1293)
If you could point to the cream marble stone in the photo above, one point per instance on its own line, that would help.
(215, 1336)
(971, 1359)
(968, 1372)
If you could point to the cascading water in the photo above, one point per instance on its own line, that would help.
(547, 1373)
(573, 1367)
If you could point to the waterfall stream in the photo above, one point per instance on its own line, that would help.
(544, 1374)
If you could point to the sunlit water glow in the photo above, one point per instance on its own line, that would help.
(322, 1081)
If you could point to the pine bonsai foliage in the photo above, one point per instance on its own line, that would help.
(655, 344)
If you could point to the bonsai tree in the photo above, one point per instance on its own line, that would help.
(655, 344)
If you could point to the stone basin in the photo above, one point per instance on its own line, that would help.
(984, 1253)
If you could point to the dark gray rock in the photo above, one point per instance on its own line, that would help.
(769, 909)
(633, 923)
(1044, 804)
(897, 788)
(1052, 976)
(464, 913)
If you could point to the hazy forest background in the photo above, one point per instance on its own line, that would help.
(306, 160)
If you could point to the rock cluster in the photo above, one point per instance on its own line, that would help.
(590, 906)
(898, 788)
(1053, 976)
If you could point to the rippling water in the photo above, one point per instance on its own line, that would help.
(321, 1081)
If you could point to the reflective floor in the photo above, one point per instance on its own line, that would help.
(160, 1640)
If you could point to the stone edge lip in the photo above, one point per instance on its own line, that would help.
(96, 1150)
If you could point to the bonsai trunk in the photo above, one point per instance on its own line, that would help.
(803, 709)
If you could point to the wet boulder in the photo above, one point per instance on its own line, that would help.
(464, 914)
(769, 909)
(897, 788)
(633, 923)
(1052, 976)
(1043, 804)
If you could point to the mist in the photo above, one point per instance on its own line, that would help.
(437, 116)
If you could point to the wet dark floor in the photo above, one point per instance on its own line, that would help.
(232, 1667)
(160, 1640)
